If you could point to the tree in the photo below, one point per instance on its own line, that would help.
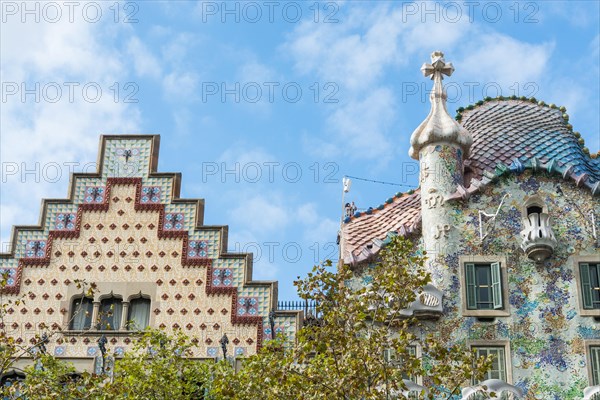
(342, 356)
(159, 366)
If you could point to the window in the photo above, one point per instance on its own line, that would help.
(595, 364)
(498, 370)
(11, 379)
(110, 314)
(590, 285)
(81, 313)
(484, 286)
(391, 357)
(139, 314)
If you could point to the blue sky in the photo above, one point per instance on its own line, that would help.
(269, 91)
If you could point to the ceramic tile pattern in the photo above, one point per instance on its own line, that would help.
(524, 149)
(121, 242)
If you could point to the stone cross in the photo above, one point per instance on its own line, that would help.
(438, 66)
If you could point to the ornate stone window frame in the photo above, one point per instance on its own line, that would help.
(497, 343)
(505, 311)
(122, 290)
(579, 290)
(588, 357)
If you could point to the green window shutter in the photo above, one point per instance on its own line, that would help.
(496, 285)
(471, 286)
(586, 287)
(595, 362)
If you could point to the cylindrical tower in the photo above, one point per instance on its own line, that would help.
(440, 144)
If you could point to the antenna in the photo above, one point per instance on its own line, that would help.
(491, 216)
(347, 183)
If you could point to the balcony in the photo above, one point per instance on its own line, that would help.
(428, 304)
(492, 387)
(538, 239)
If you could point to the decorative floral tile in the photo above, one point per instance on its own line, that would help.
(94, 194)
(240, 351)
(197, 249)
(35, 248)
(65, 221)
(174, 221)
(212, 351)
(222, 277)
(247, 306)
(150, 194)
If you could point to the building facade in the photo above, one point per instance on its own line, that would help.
(152, 258)
(508, 212)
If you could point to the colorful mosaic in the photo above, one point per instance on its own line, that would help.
(65, 221)
(174, 222)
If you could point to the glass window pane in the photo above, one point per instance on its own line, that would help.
(595, 363)
(498, 370)
(139, 314)
(81, 313)
(110, 314)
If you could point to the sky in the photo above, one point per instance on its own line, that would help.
(264, 106)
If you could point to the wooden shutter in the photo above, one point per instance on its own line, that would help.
(586, 287)
(471, 286)
(496, 286)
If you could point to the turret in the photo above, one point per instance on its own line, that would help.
(441, 145)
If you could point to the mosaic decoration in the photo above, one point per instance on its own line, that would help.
(150, 194)
(35, 248)
(247, 306)
(65, 221)
(525, 149)
(240, 351)
(197, 249)
(222, 277)
(126, 226)
(94, 194)
(212, 351)
(174, 222)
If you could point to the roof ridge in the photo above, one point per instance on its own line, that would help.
(381, 206)
(565, 117)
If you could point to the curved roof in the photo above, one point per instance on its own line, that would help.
(509, 135)
(514, 134)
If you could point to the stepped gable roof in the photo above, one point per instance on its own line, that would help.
(509, 136)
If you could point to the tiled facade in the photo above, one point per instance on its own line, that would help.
(522, 152)
(126, 230)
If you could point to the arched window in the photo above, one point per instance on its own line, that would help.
(81, 313)
(139, 314)
(109, 315)
(11, 378)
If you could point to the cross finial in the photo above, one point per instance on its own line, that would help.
(438, 66)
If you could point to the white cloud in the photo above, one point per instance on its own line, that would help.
(499, 58)
(59, 128)
(261, 213)
(144, 61)
(180, 85)
(359, 128)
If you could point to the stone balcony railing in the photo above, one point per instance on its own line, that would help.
(427, 305)
(538, 239)
(500, 389)
(591, 393)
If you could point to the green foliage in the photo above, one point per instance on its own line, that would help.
(341, 357)
(159, 367)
